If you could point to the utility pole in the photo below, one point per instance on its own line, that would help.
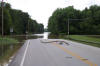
(68, 27)
(2, 4)
(73, 20)
(2, 19)
(28, 30)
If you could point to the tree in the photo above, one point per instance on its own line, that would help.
(19, 21)
(58, 22)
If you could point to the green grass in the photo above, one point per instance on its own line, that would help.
(8, 47)
(86, 39)
(7, 40)
(8, 53)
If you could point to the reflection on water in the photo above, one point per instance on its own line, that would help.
(48, 35)
(45, 35)
(6, 52)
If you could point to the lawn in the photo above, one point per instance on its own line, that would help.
(93, 40)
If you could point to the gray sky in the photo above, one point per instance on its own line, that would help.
(41, 10)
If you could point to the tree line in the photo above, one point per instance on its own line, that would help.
(83, 22)
(20, 21)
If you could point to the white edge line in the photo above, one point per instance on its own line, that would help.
(22, 62)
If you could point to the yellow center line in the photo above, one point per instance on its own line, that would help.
(75, 55)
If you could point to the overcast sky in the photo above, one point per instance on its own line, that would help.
(41, 10)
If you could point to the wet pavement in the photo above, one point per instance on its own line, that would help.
(56, 52)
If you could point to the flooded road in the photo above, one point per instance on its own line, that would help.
(43, 35)
(8, 50)
(53, 52)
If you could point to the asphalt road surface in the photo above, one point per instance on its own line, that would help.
(56, 52)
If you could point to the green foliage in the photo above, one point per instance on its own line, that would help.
(6, 40)
(19, 21)
(34, 27)
(58, 22)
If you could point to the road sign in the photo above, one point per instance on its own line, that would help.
(4, 4)
(0, 4)
(11, 30)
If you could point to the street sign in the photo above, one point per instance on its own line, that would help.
(4, 4)
(0, 4)
(11, 30)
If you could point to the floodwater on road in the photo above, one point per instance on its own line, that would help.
(43, 35)
(8, 50)
(6, 53)
(48, 35)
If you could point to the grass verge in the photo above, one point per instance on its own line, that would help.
(86, 39)
(7, 40)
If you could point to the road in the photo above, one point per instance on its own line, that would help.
(51, 52)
